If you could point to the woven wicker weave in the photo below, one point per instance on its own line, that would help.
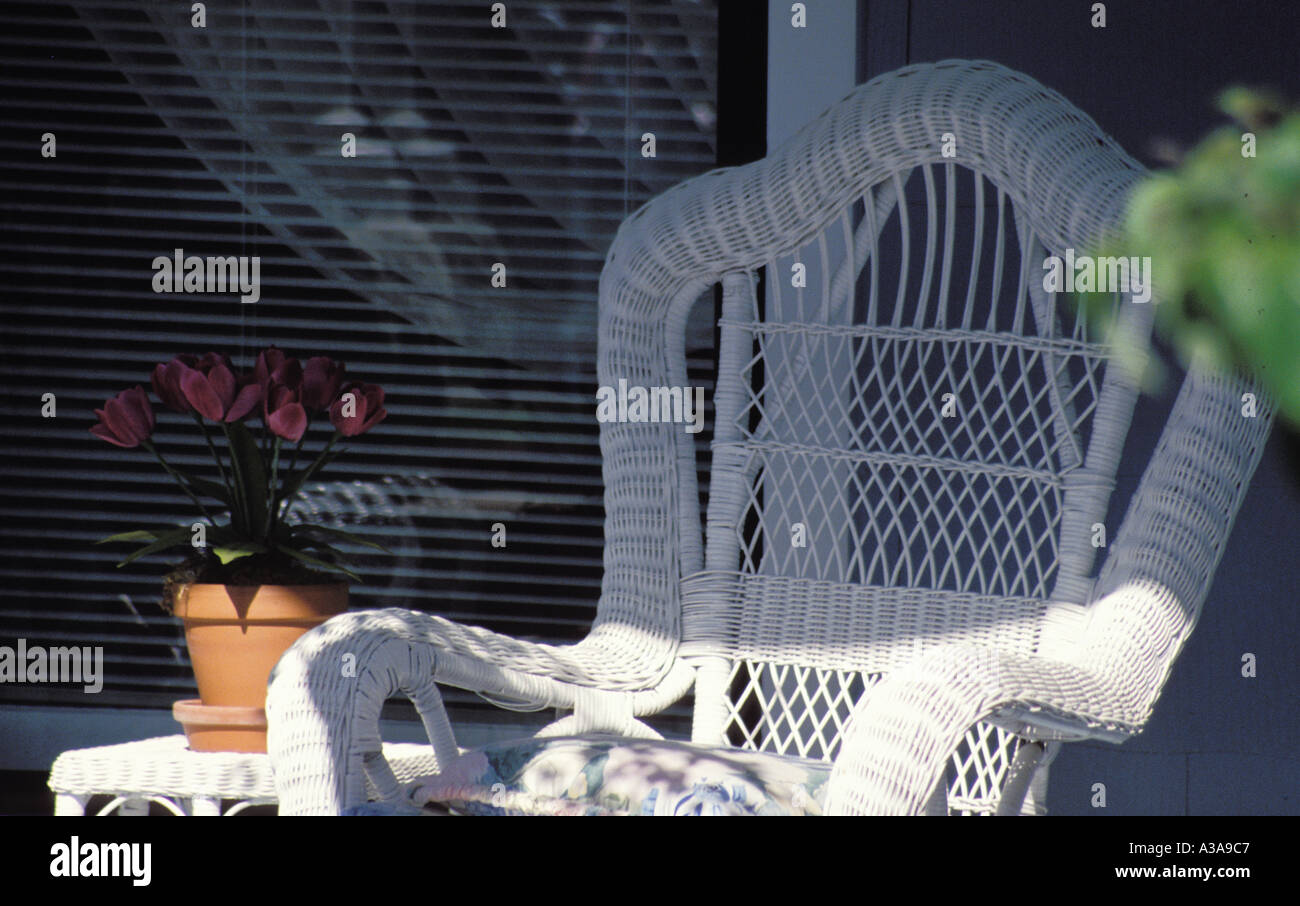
(940, 433)
(164, 770)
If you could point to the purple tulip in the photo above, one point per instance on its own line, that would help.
(126, 420)
(248, 394)
(273, 365)
(284, 413)
(207, 386)
(167, 383)
(361, 412)
(321, 379)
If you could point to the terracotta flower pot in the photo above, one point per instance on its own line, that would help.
(235, 635)
(213, 728)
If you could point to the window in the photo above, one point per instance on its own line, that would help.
(474, 146)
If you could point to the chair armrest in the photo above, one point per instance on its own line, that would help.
(902, 733)
(1151, 588)
(325, 695)
(1107, 679)
(1178, 521)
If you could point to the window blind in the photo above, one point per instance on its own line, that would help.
(474, 146)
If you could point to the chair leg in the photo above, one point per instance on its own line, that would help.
(937, 804)
(1036, 799)
(1019, 775)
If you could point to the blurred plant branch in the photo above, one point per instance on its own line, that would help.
(1222, 229)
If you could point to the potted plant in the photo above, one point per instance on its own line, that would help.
(254, 579)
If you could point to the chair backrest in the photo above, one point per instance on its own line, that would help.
(912, 437)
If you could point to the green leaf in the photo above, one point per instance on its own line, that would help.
(207, 488)
(280, 534)
(250, 473)
(140, 535)
(172, 538)
(313, 561)
(223, 536)
(335, 555)
(323, 533)
(294, 481)
(233, 552)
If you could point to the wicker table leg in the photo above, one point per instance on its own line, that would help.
(205, 806)
(70, 804)
(134, 808)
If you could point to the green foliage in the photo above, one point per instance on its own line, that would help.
(257, 498)
(1222, 230)
(249, 516)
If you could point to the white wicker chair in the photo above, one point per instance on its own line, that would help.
(942, 434)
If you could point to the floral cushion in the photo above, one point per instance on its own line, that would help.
(383, 810)
(604, 775)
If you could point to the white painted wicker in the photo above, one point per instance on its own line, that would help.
(910, 455)
(164, 770)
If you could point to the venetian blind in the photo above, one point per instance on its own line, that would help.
(474, 145)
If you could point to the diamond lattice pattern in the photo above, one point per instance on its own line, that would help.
(912, 410)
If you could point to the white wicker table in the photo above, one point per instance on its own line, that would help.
(164, 770)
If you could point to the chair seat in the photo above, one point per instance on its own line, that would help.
(607, 775)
